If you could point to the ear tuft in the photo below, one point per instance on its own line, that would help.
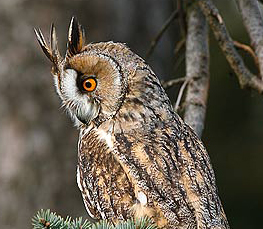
(51, 51)
(43, 44)
(76, 37)
(54, 44)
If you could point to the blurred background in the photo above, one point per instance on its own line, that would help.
(38, 143)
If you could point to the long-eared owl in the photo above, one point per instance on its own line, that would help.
(136, 156)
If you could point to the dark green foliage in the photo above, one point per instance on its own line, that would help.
(45, 219)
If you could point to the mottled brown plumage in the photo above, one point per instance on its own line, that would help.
(136, 156)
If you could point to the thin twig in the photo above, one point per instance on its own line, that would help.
(165, 26)
(179, 57)
(170, 83)
(179, 61)
(182, 18)
(180, 95)
(249, 50)
(180, 44)
(245, 77)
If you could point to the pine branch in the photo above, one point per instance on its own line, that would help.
(45, 219)
(48, 219)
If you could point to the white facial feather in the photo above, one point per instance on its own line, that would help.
(68, 85)
(77, 104)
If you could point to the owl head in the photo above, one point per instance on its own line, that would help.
(89, 80)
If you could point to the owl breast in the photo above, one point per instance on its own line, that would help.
(108, 186)
(107, 190)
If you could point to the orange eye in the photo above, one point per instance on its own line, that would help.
(89, 84)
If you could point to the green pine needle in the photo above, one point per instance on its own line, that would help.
(45, 219)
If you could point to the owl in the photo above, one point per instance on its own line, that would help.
(136, 156)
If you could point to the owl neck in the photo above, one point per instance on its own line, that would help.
(146, 104)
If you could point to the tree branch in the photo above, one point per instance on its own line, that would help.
(160, 33)
(197, 69)
(254, 24)
(172, 82)
(47, 219)
(180, 95)
(179, 45)
(247, 49)
(182, 17)
(245, 77)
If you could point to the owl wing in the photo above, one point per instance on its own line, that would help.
(175, 173)
(165, 159)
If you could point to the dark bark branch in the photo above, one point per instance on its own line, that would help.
(245, 77)
(180, 44)
(179, 61)
(197, 69)
(254, 24)
(182, 17)
(154, 42)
